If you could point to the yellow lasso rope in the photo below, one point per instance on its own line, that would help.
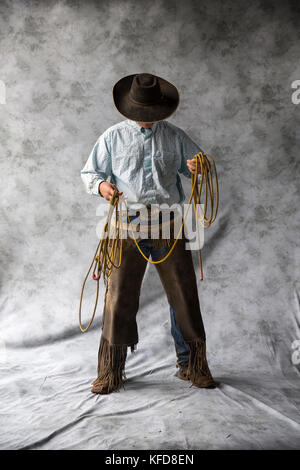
(104, 257)
(102, 260)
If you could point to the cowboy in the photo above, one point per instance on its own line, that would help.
(141, 157)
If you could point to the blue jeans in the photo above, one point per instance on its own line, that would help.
(182, 350)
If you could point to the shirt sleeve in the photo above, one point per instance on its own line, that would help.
(188, 148)
(98, 166)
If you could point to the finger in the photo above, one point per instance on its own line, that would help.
(191, 167)
(115, 188)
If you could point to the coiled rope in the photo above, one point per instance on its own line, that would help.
(105, 255)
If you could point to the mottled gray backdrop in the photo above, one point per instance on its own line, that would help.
(233, 63)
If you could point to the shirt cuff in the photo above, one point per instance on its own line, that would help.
(95, 186)
(101, 181)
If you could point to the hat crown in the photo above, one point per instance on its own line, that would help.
(145, 89)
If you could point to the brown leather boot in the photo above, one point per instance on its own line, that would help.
(182, 373)
(198, 370)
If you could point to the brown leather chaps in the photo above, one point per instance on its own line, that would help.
(121, 303)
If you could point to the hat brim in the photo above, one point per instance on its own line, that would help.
(145, 113)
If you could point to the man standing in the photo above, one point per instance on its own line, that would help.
(142, 157)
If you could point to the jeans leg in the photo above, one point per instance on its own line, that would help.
(182, 349)
(145, 246)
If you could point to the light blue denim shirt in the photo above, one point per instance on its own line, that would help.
(143, 163)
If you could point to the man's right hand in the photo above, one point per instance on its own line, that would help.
(107, 190)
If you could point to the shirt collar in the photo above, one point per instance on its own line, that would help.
(139, 128)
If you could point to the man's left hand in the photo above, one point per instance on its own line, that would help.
(191, 164)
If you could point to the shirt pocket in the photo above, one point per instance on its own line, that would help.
(165, 163)
(126, 162)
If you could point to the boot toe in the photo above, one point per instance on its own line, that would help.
(182, 374)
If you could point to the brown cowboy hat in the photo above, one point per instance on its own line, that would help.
(145, 97)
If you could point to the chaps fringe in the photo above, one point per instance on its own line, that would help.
(198, 366)
(111, 365)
